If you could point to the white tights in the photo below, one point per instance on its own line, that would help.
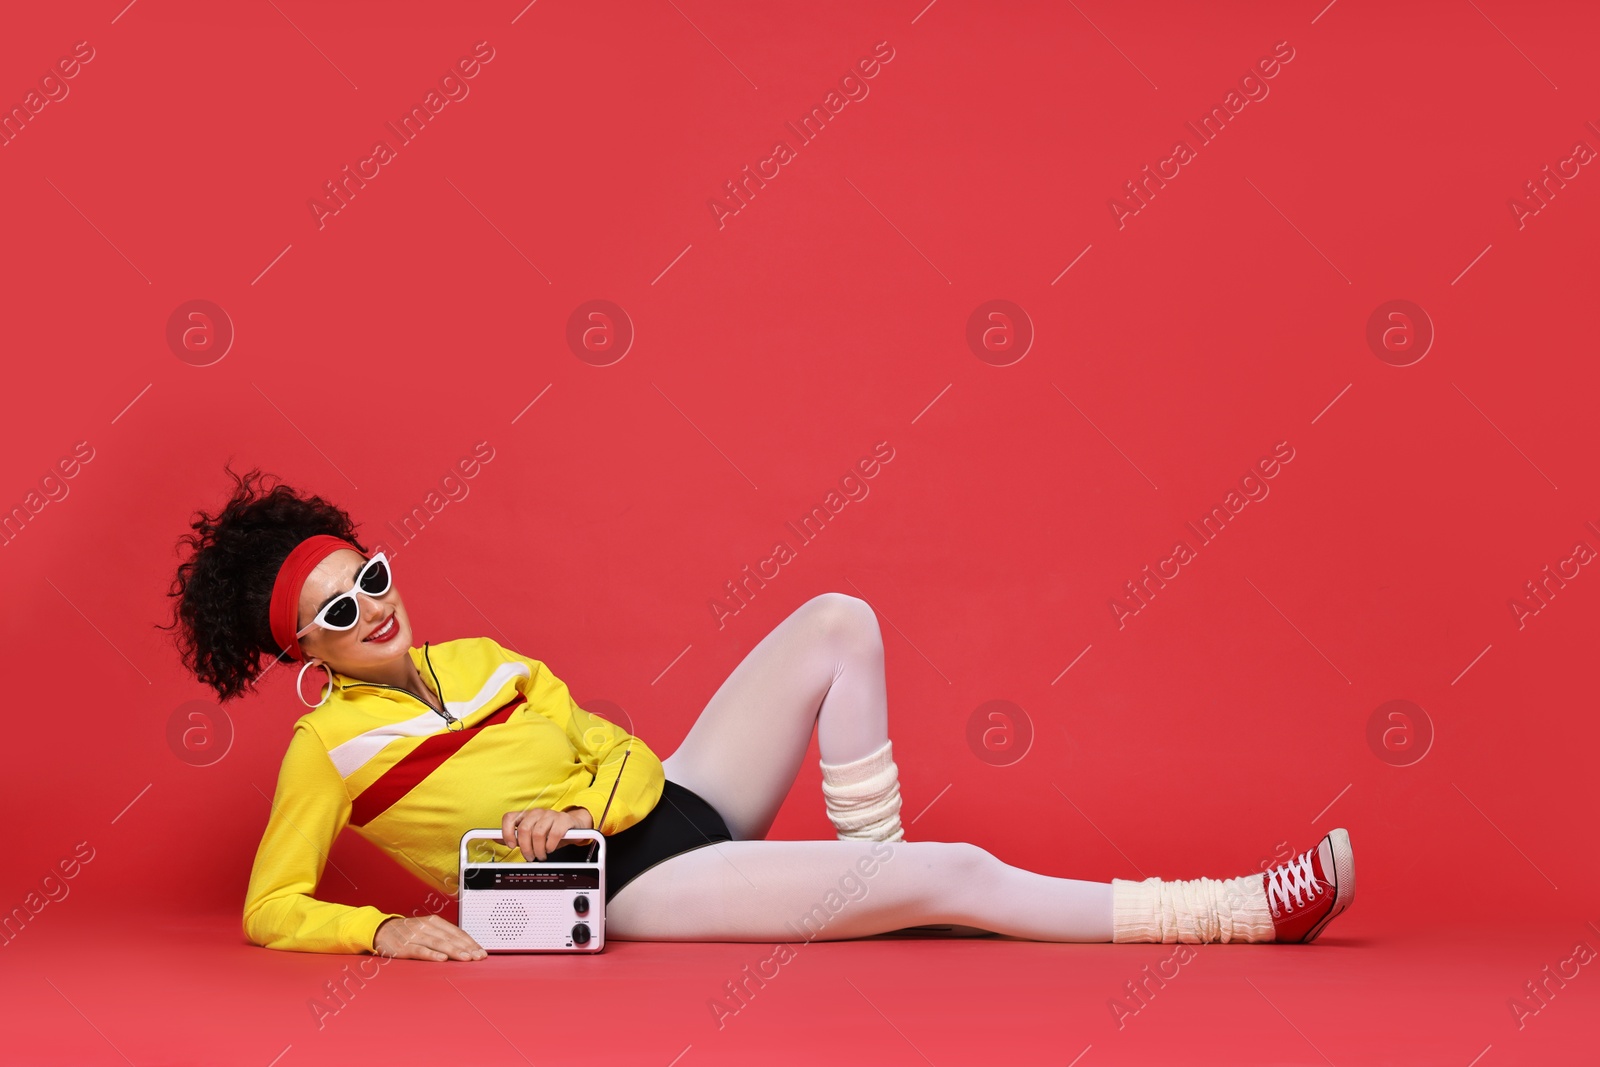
(823, 666)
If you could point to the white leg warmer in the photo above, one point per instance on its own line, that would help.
(863, 797)
(1193, 911)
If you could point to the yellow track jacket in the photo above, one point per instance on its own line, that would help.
(378, 759)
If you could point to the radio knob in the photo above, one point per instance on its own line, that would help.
(580, 904)
(580, 934)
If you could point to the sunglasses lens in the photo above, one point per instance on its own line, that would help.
(375, 578)
(342, 613)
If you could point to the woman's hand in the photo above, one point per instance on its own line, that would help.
(538, 831)
(425, 938)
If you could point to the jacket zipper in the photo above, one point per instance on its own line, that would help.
(448, 718)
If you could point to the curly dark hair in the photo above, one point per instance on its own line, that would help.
(224, 589)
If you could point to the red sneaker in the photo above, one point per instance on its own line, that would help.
(1307, 892)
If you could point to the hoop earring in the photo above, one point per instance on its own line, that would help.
(326, 692)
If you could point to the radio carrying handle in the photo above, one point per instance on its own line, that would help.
(486, 834)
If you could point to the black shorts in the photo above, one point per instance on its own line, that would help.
(681, 821)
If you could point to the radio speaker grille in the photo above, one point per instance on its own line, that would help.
(522, 919)
(508, 918)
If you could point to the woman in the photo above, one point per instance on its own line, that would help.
(412, 747)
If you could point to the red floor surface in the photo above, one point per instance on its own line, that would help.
(1374, 989)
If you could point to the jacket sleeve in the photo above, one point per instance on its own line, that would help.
(309, 810)
(600, 746)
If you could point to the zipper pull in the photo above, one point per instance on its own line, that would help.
(450, 721)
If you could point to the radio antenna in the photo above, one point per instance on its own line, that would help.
(607, 809)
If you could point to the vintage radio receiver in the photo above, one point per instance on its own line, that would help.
(537, 906)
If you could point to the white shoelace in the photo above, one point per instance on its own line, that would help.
(1292, 877)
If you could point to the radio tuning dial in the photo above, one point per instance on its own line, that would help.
(580, 904)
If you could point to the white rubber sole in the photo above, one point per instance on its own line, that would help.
(1344, 880)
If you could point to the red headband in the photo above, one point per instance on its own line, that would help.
(284, 615)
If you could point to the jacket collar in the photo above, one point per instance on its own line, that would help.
(380, 690)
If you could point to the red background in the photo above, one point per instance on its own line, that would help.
(772, 352)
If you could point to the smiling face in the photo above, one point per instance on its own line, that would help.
(350, 651)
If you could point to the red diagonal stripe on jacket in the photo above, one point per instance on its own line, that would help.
(416, 765)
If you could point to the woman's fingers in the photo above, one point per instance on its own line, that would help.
(445, 940)
(520, 829)
(433, 938)
(457, 937)
(537, 832)
(508, 833)
(539, 838)
(534, 834)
